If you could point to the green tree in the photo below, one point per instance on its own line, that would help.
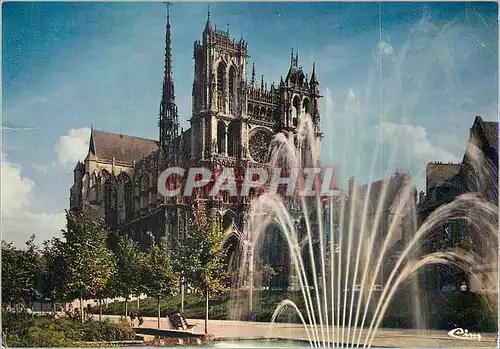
(130, 266)
(89, 263)
(54, 272)
(21, 273)
(266, 273)
(200, 258)
(160, 280)
(10, 272)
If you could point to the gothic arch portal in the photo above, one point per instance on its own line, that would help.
(228, 219)
(233, 258)
(272, 248)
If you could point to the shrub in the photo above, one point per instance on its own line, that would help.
(24, 331)
(108, 331)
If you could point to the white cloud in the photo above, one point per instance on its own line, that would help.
(73, 147)
(18, 221)
(45, 226)
(40, 168)
(414, 140)
(16, 190)
(412, 149)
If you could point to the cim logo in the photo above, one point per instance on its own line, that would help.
(460, 333)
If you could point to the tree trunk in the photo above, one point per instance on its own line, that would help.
(206, 312)
(126, 307)
(159, 314)
(100, 309)
(182, 296)
(81, 305)
(137, 302)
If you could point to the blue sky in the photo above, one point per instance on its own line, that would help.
(66, 66)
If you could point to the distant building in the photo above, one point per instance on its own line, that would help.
(392, 210)
(438, 172)
(478, 173)
(479, 170)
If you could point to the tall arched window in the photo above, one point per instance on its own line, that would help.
(129, 203)
(295, 111)
(307, 106)
(232, 89)
(221, 137)
(221, 71)
(269, 114)
(110, 211)
(233, 139)
(249, 109)
(144, 189)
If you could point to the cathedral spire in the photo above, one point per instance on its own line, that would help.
(208, 25)
(253, 74)
(168, 80)
(313, 75)
(294, 61)
(169, 120)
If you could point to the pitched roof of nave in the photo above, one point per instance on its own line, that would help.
(490, 130)
(107, 145)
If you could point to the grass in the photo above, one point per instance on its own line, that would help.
(228, 306)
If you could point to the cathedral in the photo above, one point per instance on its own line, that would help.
(234, 118)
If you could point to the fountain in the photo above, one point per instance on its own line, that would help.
(338, 245)
(339, 275)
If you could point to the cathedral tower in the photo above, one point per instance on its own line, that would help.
(169, 120)
(299, 95)
(218, 98)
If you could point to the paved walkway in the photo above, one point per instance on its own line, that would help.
(225, 329)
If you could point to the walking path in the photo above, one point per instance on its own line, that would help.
(236, 330)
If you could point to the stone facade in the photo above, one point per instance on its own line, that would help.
(233, 121)
(390, 204)
(438, 172)
(477, 173)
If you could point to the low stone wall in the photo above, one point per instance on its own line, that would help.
(152, 336)
(180, 341)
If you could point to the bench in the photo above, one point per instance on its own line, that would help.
(178, 321)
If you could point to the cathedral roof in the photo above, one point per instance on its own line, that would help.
(490, 130)
(106, 145)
